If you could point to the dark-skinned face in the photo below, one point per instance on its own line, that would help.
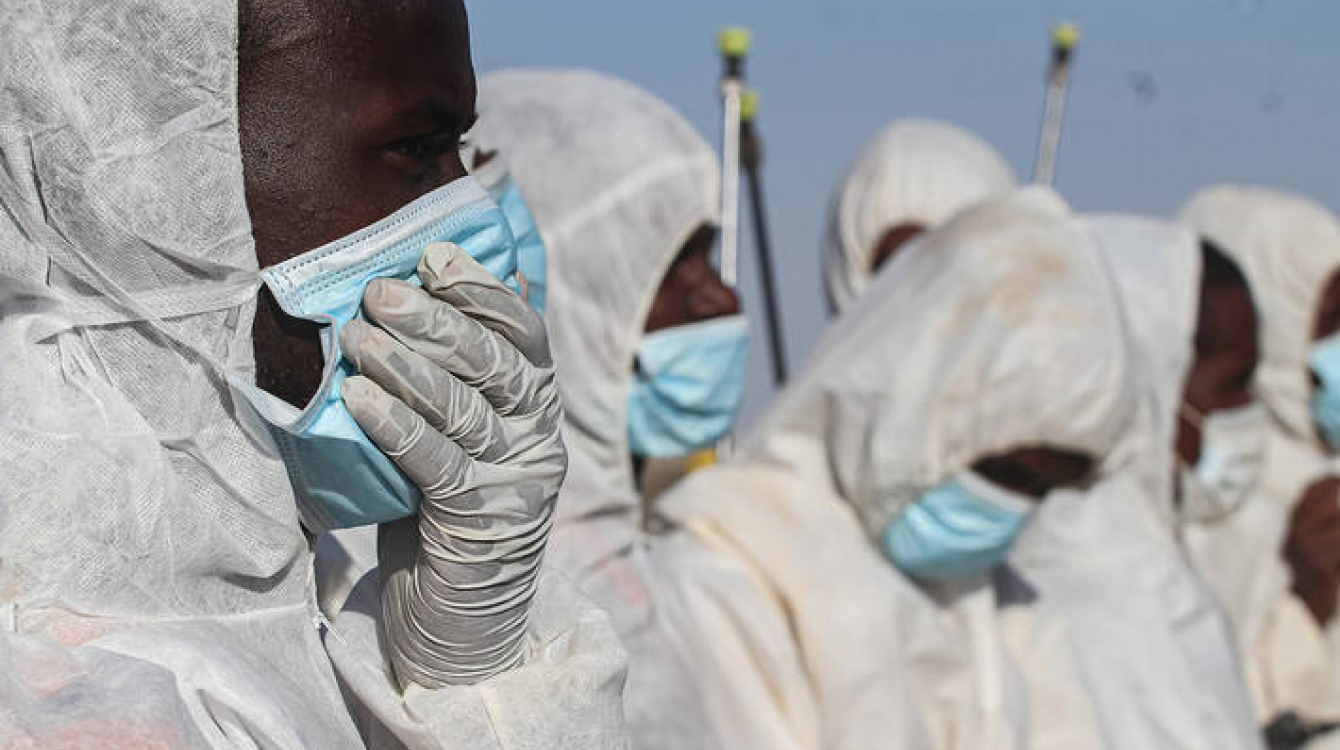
(347, 111)
(1034, 472)
(1312, 548)
(1328, 314)
(692, 290)
(1227, 352)
(892, 241)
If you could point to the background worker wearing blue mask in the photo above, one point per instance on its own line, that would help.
(1289, 249)
(833, 579)
(910, 178)
(1221, 429)
(1100, 598)
(180, 613)
(649, 342)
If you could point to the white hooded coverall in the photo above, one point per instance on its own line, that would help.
(914, 172)
(155, 585)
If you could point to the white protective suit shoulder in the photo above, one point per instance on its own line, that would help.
(916, 171)
(155, 586)
(994, 332)
(1123, 645)
(618, 182)
(1289, 248)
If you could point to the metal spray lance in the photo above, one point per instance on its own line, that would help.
(1065, 37)
(751, 157)
(734, 45)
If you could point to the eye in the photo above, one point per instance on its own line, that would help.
(427, 147)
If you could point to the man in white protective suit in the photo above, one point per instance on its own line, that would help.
(163, 446)
(913, 176)
(1284, 605)
(1122, 644)
(649, 342)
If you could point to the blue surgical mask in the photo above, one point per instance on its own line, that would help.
(964, 526)
(1325, 362)
(687, 387)
(339, 477)
(1232, 459)
(530, 255)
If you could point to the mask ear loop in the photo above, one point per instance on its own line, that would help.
(1194, 417)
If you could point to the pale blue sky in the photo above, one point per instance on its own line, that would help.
(1244, 91)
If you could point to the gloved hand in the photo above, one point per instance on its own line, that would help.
(458, 388)
(1312, 548)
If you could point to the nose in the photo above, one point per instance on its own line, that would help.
(713, 299)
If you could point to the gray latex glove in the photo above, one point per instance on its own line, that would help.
(457, 387)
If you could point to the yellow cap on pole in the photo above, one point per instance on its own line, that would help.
(735, 41)
(748, 105)
(702, 459)
(1065, 36)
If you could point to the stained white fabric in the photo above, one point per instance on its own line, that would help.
(1122, 644)
(997, 331)
(1289, 248)
(916, 171)
(618, 182)
(156, 588)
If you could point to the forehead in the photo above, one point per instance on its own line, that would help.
(424, 43)
(1330, 294)
(1227, 316)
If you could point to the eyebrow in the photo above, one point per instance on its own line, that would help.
(438, 114)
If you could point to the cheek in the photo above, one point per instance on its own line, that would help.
(305, 192)
(339, 187)
(1205, 386)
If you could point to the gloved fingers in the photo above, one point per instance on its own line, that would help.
(438, 466)
(455, 342)
(450, 407)
(451, 275)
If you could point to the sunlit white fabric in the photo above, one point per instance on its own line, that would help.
(916, 171)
